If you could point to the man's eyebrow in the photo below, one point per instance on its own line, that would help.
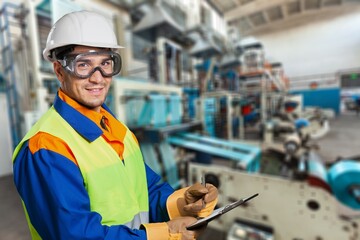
(84, 60)
(106, 57)
(99, 56)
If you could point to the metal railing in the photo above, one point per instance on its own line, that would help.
(328, 80)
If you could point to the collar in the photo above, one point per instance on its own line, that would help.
(79, 117)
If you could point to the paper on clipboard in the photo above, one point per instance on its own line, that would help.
(218, 212)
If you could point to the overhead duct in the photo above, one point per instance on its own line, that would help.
(159, 21)
(249, 43)
(122, 3)
(229, 60)
(127, 4)
(207, 43)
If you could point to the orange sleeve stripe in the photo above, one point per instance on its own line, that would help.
(46, 141)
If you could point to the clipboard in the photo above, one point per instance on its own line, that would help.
(218, 212)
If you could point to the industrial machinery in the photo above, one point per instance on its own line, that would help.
(154, 113)
(299, 197)
(310, 122)
(160, 19)
(280, 112)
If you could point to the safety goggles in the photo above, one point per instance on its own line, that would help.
(83, 65)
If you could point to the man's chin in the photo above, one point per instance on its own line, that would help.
(93, 104)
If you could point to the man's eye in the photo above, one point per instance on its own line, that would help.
(107, 63)
(82, 65)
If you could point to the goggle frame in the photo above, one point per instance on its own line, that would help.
(69, 61)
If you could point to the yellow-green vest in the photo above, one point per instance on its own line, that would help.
(117, 189)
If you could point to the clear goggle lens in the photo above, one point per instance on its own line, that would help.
(83, 65)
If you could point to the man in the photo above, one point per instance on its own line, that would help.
(79, 171)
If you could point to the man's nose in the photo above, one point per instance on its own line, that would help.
(96, 76)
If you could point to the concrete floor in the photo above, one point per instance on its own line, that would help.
(13, 224)
(343, 140)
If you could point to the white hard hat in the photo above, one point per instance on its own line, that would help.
(80, 28)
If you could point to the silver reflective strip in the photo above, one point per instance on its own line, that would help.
(138, 219)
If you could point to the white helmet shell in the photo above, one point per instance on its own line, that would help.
(80, 28)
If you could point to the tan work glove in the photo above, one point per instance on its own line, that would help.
(200, 200)
(196, 201)
(177, 229)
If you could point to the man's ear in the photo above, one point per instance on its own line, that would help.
(59, 71)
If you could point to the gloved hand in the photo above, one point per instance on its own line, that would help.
(177, 228)
(200, 198)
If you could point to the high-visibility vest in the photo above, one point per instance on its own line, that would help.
(117, 189)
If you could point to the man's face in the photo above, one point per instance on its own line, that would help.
(90, 92)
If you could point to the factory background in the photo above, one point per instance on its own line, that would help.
(258, 96)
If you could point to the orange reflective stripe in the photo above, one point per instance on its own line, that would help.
(46, 141)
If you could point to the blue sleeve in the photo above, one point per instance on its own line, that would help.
(158, 194)
(52, 190)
